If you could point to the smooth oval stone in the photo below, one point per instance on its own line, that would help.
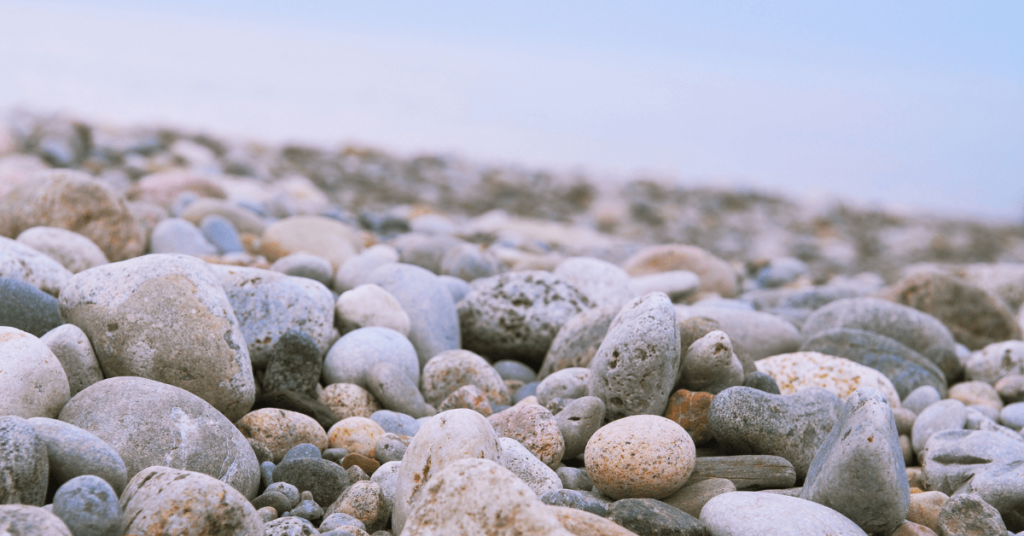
(73, 452)
(391, 447)
(565, 383)
(754, 334)
(175, 235)
(24, 467)
(426, 251)
(370, 305)
(906, 368)
(1012, 416)
(527, 467)
(354, 271)
(158, 498)
(746, 472)
(636, 366)
(574, 499)
(150, 423)
(918, 331)
(395, 391)
(267, 473)
(331, 239)
(921, 398)
(770, 514)
(748, 421)
(603, 283)
(269, 304)
(578, 340)
(306, 265)
(273, 499)
(640, 456)
(17, 519)
(937, 417)
(859, 470)
(280, 430)
(22, 263)
(509, 369)
(516, 315)
(165, 318)
(89, 507)
(220, 232)
(32, 380)
(996, 361)
(287, 490)
(325, 479)
(534, 427)
(356, 435)
(578, 421)
(242, 218)
(716, 275)
(74, 251)
(74, 351)
(450, 370)
(396, 423)
(27, 308)
(302, 450)
(648, 516)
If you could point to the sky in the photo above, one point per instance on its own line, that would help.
(915, 104)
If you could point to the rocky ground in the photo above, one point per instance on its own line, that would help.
(206, 336)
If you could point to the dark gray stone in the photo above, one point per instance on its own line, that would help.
(395, 422)
(73, 452)
(762, 382)
(27, 308)
(650, 517)
(24, 468)
(89, 507)
(220, 232)
(577, 421)
(294, 365)
(749, 421)
(307, 509)
(302, 450)
(969, 515)
(574, 499)
(326, 480)
(273, 499)
(289, 491)
(395, 391)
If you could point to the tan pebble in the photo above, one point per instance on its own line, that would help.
(691, 499)
(925, 508)
(798, 371)
(468, 397)
(355, 434)
(535, 427)
(349, 400)
(642, 456)
(280, 430)
(971, 393)
(370, 305)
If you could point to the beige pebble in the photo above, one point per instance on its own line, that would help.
(370, 305)
(535, 427)
(348, 400)
(355, 434)
(976, 392)
(280, 430)
(642, 456)
(925, 508)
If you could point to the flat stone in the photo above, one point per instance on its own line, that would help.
(24, 467)
(27, 308)
(937, 417)
(280, 430)
(692, 497)
(716, 276)
(89, 507)
(648, 516)
(527, 467)
(969, 515)
(370, 305)
(770, 514)
(325, 480)
(603, 283)
(73, 452)
(577, 422)
(306, 265)
(25, 519)
(746, 472)
(802, 370)
(22, 263)
(74, 351)
(578, 340)
(640, 456)
(533, 426)
(31, 377)
(710, 365)
(996, 361)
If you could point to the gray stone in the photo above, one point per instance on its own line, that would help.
(996, 361)
(339, 520)
(165, 318)
(425, 251)
(72, 250)
(159, 498)
(273, 499)
(969, 515)
(307, 509)
(1012, 416)
(269, 304)
(527, 390)
(88, 506)
(578, 340)
(149, 423)
(746, 472)
(306, 265)
(517, 315)
(396, 423)
(527, 467)
(386, 476)
(859, 470)
(921, 398)
(302, 450)
(677, 284)
(953, 458)
(25, 264)
(653, 517)
(288, 491)
(24, 468)
(710, 365)
(326, 480)
(577, 422)
(566, 383)
(294, 365)
(762, 382)
(754, 335)
(395, 391)
(18, 519)
(905, 420)
(450, 370)
(574, 478)
(74, 351)
(352, 357)
(354, 271)
(770, 514)
(267, 473)
(692, 497)
(910, 327)
(175, 235)
(748, 421)
(290, 526)
(434, 322)
(906, 368)
(73, 452)
(27, 308)
(31, 379)
(780, 271)
(515, 370)
(637, 364)
(937, 417)
(456, 287)
(468, 262)
(391, 447)
(574, 499)
(603, 283)
(220, 232)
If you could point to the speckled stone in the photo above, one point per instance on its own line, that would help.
(469, 397)
(31, 377)
(362, 501)
(352, 357)
(89, 507)
(298, 403)
(27, 308)
(640, 456)
(294, 365)
(582, 523)
(771, 514)
(578, 340)
(762, 382)
(577, 422)
(24, 467)
(971, 393)
(925, 508)
(391, 447)
(74, 351)
(73, 452)
(566, 383)
(574, 499)
(23, 263)
(325, 480)
(349, 400)
(355, 434)
(969, 515)
(370, 305)
(308, 265)
(799, 371)
(533, 426)
(448, 371)
(649, 516)
(17, 519)
(339, 520)
(290, 526)
(690, 410)
(280, 430)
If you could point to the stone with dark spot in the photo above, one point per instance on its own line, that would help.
(969, 515)
(294, 365)
(650, 517)
(577, 422)
(326, 480)
(27, 308)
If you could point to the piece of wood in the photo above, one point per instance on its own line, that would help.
(746, 472)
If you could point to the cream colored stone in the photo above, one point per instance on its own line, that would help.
(798, 371)
(318, 235)
(32, 381)
(370, 305)
(642, 456)
(355, 434)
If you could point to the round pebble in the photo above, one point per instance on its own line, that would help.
(355, 434)
(640, 456)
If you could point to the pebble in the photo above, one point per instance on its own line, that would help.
(976, 393)
(582, 523)
(770, 514)
(676, 284)
(72, 250)
(996, 361)
(469, 397)
(159, 498)
(449, 370)
(566, 383)
(352, 356)
(510, 369)
(574, 499)
(307, 509)
(299, 403)
(306, 265)
(937, 417)
(355, 434)
(468, 262)
(535, 427)
(22, 263)
(636, 366)
(349, 400)
(27, 308)
(716, 276)
(746, 471)
(31, 377)
(391, 447)
(339, 520)
(754, 334)
(982, 462)
(269, 304)
(690, 410)
(73, 452)
(362, 501)
(603, 283)
(241, 218)
(89, 507)
(538, 476)
(165, 318)
(290, 526)
(329, 238)
(748, 421)
(368, 465)
(904, 421)
(221, 233)
(396, 423)
(574, 478)
(395, 391)
(577, 422)
(387, 478)
(762, 382)
(925, 508)
(969, 515)
(24, 466)
(294, 365)
(780, 271)
(74, 351)
(354, 271)
(280, 430)
(921, 398)
(425, 251)
(164, 187)
(692, 497)
(150, 423)
(302, 450)
(640, 456)
(370, 305)
(710, 365)
(456, 287)
(175, 235)
(649, 516)
(16, 519)
(1012, 416)
(324, 479)
(286, 490)
(803, 370)
(578, 340)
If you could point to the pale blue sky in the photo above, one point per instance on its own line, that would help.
(916, 104)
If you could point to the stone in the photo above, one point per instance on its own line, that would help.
(566, 383)
(368, 465)
(31, 377)
(746, 472)
(306, 265)
(996, 361)
(859, 470)
(396, 423)
(290, 526)
(904, 421)
(578, 340)
(262, 452)
(762, 382)
(478, 496)
(912, 328)
(573, 499)
(24, 466)
(716, 276)
(164, 318)
(974, 317)
(299, 403)
(1012, 416)
(307, 509)
(921, 398)
(449, 370)
(362, 501)
(74, 201)
(22, 263)
(433, 319)
(905, 368)
(269, 304)
(441, 442)
(175, 235)
(510, 369)
(649, 516)
(294, 365)
(692, 497)
(754, 334)
(286, 490)
(640, 456)
(221, 233)
(937, 417)
(339, 520)
(89, 507)
(578, 422)
(74, 351)
(73, 452)
(370, 305)
(353, 355)
(427, 251)
(354, 271)
(969, 515)
(690, 410)
(533, 426)
(322, 236)
(603, 283)
(456, 287)
(780, 271)
(16, 519)
(387, 478)
(150, 423)
(349, 400)
(391, 447)
(27, 308)
(302, 450)
(574, 478)
(355, 434)
(802, 370)
(769, 514)
(164, 187)
(267, 473)
(909, 528)
(469, 397)
(925, 508)
(395, 391)
(527, 390)
(676, 284)
(72, 250)
(166, 501)
(582, 523)
(468, 262)
(710, 365)
(972, 393)
(637, 364)
(538, 476)
(748, 421)
(324, 479)
(978, 461)
(280, 430)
